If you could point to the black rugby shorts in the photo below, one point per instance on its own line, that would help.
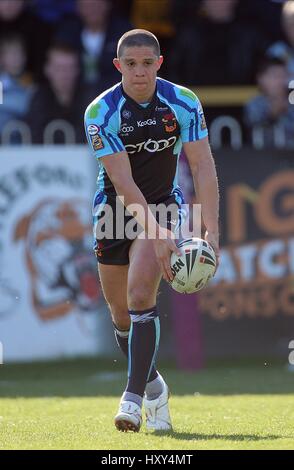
(111, 242)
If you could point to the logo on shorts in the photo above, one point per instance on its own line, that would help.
(93, 129)
(97, 143)
(126, 114)
(170, 122)
(98, 250)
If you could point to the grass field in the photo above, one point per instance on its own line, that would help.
(71, 405)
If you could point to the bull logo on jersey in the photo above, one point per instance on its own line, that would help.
(170, 123)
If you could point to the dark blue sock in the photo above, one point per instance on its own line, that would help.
(122, 339)
(143, 345)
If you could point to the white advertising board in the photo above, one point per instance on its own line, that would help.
(49, 294)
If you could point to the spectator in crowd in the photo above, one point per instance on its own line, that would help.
(264, 14)
(284, 49)
(52, 11)
(223, 49)
(16, 83)
(155, 16)
(95, 34)
(16, 19)
(271, 111)
(62, 97)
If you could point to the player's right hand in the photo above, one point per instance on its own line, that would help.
(164, 245)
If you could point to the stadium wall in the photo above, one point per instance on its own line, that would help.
(248, 309)
(51, 305)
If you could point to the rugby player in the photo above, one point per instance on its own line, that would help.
(136, 130)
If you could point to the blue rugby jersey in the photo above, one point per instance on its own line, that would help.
(151, 134)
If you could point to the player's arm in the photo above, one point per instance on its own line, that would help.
(205, 181)
(194, 135)
(119, 171)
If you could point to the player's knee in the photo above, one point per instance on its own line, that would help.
(140, 297)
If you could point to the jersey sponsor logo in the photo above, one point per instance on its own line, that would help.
(126, 114)
(148, 122)
(97, 143)
(127, 129)
(151, 145)
(93, 129)
(169, 121)
(160, 108)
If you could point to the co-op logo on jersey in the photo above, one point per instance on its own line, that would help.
(127, 129)
(151, 145)
(148, 122)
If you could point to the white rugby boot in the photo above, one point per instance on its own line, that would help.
(157, 411)
(129, 417)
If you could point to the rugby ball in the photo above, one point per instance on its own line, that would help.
(194, 268)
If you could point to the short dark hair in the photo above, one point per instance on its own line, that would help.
(12, 38)
(62, 46)
(138, 38)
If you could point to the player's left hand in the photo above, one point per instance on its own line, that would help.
(213, 239)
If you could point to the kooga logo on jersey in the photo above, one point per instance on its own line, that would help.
(149, 122)
(151, 145)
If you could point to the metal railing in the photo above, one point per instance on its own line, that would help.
(18, 132)
(217, 127)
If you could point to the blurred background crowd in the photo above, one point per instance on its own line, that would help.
(56, 56)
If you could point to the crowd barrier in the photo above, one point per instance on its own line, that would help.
(17, 131)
